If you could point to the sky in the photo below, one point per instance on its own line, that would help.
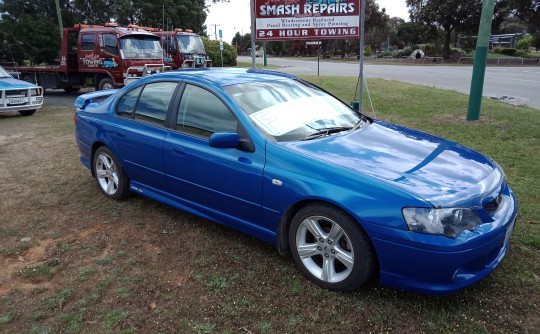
(234, 16)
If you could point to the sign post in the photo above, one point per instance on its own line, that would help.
(318, 43)
(221, 46)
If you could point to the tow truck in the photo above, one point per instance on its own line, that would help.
(105, 57)
(183, 49)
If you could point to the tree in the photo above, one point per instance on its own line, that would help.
(529, 12)
(447, 15)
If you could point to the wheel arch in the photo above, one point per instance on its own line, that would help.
(95, 147)
(283, 245)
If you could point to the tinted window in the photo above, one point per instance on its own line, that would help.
(202, 113)
(154, 102)
(87, 42)
(110, 44)
(126, 105)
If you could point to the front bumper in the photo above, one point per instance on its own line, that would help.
(20, 99)
(437, 265)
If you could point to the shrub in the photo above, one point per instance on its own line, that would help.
(508, 51)
(432, 50)
(525, 43)
(497, 50)
(368, 51)
(212, 50)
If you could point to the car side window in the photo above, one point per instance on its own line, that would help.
(154, 102)
(126, 104)
(201, 113)
(88, 41)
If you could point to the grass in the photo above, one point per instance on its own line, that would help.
(258, 65)
(154, 269)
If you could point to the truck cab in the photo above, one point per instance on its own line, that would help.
(116, 55)
(183, 49)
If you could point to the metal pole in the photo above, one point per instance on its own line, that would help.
(252, 8)
(480, 58)
(59, 14)
(361, 86)
(264, 54)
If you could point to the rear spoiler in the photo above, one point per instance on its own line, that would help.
(85, 100)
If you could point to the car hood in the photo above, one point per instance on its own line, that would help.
(439, 171)
(11, 83)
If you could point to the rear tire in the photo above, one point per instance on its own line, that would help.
(110, 175)
(330, 248)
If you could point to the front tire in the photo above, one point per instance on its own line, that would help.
(105, 83)
(330, 248)
(110, 176)
(27, 112)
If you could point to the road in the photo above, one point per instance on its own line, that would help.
(520, 84)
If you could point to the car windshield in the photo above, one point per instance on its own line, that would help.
(4, 74)
(288, 110)
(140, 47)
(190, 44)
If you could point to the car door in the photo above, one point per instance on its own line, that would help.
(226, 182)
(141, 131)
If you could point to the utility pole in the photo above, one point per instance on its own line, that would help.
(59, 14)
(215, 30)
(480, 59)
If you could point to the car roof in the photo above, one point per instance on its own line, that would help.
(225, 76)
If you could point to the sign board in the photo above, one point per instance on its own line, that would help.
(313, 43)
(221, 45)
(278, 20)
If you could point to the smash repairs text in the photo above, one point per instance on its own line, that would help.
(308, 9)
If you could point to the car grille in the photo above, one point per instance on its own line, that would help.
(16, 93)
(492, 206)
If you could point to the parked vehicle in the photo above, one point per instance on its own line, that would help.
(183, 49)
(102, 56)
(281, 159)
(18, 95)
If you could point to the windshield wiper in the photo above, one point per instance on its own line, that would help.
(326, 132)
(363, 121)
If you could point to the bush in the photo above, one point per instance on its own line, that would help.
(432, 50)
(212, 50)
(525, 43)
(404, 53)
(497, 50)
(368, 51)
(508, 51)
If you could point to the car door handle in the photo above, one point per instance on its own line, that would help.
(177, 151)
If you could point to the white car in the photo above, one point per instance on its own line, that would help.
(18, 95)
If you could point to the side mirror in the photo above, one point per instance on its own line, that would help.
(224, 140)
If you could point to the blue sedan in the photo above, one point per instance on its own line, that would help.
(278, 158)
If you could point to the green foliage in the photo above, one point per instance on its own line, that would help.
(508, 51)
(449, 15)
(526, 42)
(368, 51)
(212, 50)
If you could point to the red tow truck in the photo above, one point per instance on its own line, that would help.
(105, 57)
(183, 49)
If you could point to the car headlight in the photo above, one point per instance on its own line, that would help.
(448, 222)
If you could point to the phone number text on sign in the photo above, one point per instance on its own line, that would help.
(306, 19)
